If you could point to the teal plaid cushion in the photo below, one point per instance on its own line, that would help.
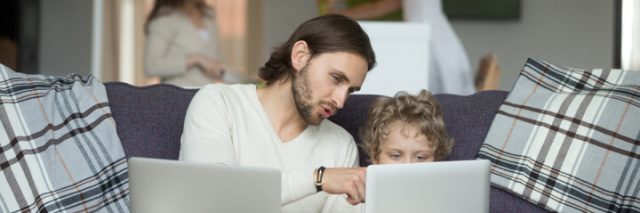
(568, 139)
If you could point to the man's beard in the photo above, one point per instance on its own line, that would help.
(302, 96)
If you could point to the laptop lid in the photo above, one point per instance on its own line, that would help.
(176, 186)
(447, 186)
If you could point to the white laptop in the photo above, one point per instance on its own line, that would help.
(446, 186)
(175, 186)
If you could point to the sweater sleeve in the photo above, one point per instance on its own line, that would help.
(299, 184)
(162, 57)
(206, 136)
(338, 203)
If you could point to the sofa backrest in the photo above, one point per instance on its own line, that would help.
(150, 119)
(468, 119)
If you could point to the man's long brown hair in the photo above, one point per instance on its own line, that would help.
(323, 34)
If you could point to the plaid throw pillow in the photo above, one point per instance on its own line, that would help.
(569, 139)
(59, 150)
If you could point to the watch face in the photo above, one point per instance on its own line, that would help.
(319, 174)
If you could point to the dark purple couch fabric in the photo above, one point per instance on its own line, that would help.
(149, 122)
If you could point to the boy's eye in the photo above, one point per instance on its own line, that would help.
(424, 157)
(394, 156)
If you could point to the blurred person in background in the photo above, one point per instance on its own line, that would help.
(182, 46)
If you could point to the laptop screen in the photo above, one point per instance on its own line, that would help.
(447, 186)
(177, 186)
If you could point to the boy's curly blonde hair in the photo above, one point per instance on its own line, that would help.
(421, 111)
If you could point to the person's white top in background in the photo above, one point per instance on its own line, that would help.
(171, 38)
(226, 124)
(449, 70)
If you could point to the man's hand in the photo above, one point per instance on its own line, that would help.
(349, 181)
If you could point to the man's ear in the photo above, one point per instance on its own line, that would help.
(300, 55)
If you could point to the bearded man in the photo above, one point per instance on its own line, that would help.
(284, 124)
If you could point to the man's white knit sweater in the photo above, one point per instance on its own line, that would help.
(226, 124)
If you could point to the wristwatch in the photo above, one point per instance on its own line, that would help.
(318, 182)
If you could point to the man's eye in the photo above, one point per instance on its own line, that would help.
(335, 78)
(421, 158)
(394, 156)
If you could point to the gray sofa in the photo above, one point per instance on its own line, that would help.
(149, 122)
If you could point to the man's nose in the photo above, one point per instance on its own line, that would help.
(340, 96)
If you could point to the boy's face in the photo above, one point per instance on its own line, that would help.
(404, 144)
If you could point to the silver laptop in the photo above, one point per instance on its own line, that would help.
(175, 186)
(447, 186)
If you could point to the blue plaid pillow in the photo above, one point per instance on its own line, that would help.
(569, 139)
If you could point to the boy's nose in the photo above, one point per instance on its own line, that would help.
(408, 160)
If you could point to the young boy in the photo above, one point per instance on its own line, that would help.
(401, 129)
(406, 129)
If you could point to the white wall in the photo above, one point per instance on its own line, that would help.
(410, 73)
(65, 37)
(574, 33)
